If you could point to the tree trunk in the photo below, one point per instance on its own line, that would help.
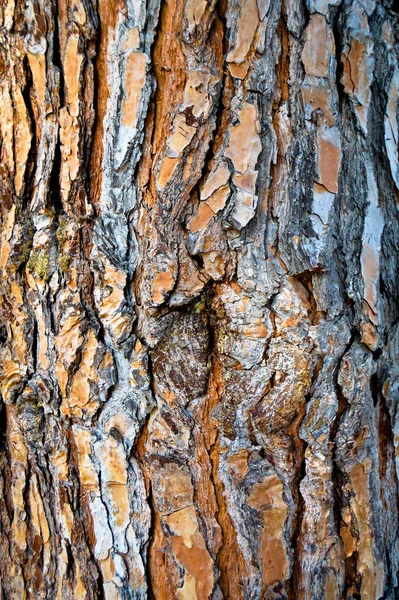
(199, 304)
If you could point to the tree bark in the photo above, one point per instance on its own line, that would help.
(199, 305)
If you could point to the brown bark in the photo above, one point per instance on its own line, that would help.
(199, 299)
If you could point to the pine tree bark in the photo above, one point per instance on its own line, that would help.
(199, 303)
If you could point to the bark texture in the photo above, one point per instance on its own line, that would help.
(199, 335)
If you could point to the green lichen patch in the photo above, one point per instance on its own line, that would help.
(63, 262)
(61, 233)
(39, 264)
(24, 248)
(25, 251)
(200, 307)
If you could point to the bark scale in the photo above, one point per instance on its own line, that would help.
(199, 304)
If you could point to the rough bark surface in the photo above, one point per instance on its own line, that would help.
(199, 307)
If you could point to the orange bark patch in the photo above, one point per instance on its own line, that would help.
(108, 14)
(135, 70)
(247, 181)
(247, 26)
(370, 269)
(167, 169)
(356, 59)
(218, 199)
(37, 64)
(329, 164)
(320, 99)
(315, 55)
(238, 465)
(163, 283)
(170, 71)
(215, 180)
(72, 65)
(157, 564)
(197, 563)
(267, 497)
(244, 143)
(22, 140)
(202, 218)
(371, 570)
